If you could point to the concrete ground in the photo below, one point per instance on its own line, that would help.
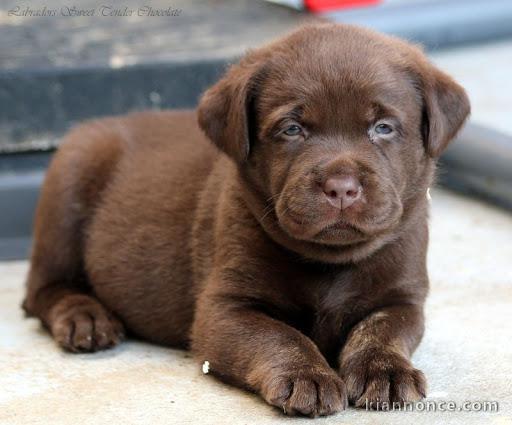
(466, 353)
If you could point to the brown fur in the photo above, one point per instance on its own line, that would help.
(144, 225)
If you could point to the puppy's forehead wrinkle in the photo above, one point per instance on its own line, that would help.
(327, 101)
(271, 119)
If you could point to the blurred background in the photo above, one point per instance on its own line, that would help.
(61, 63)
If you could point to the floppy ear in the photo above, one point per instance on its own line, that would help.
(446, 108)
(224, 111)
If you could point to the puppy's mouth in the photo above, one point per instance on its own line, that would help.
(333, 227)
(339, 224)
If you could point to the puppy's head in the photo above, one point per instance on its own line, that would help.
(335, 131)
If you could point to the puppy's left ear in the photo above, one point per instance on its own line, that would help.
(225, 111)
(446, 107)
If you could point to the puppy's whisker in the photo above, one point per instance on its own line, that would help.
(270, 205)
(272, 197)
(268, 209)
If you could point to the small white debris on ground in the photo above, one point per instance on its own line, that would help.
(428, 194)
(206, 367)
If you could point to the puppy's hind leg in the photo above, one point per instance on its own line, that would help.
(58, 291)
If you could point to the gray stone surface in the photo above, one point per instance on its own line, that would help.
(466, 353)
(57, 70)
(203, 29)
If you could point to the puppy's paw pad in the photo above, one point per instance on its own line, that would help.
(311, 393)
(378, 380)
(85, 327)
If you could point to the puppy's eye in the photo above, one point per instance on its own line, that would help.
(293, 130)
(383, 129)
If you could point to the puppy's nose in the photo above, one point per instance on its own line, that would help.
(342, 191)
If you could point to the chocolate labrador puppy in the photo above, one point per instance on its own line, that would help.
(280, 231)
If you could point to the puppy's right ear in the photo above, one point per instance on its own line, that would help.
(446, 109)
(224, 111)
(445, 103)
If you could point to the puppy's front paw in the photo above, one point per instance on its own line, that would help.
(79, 323)
(377, 378)
(312, 392)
